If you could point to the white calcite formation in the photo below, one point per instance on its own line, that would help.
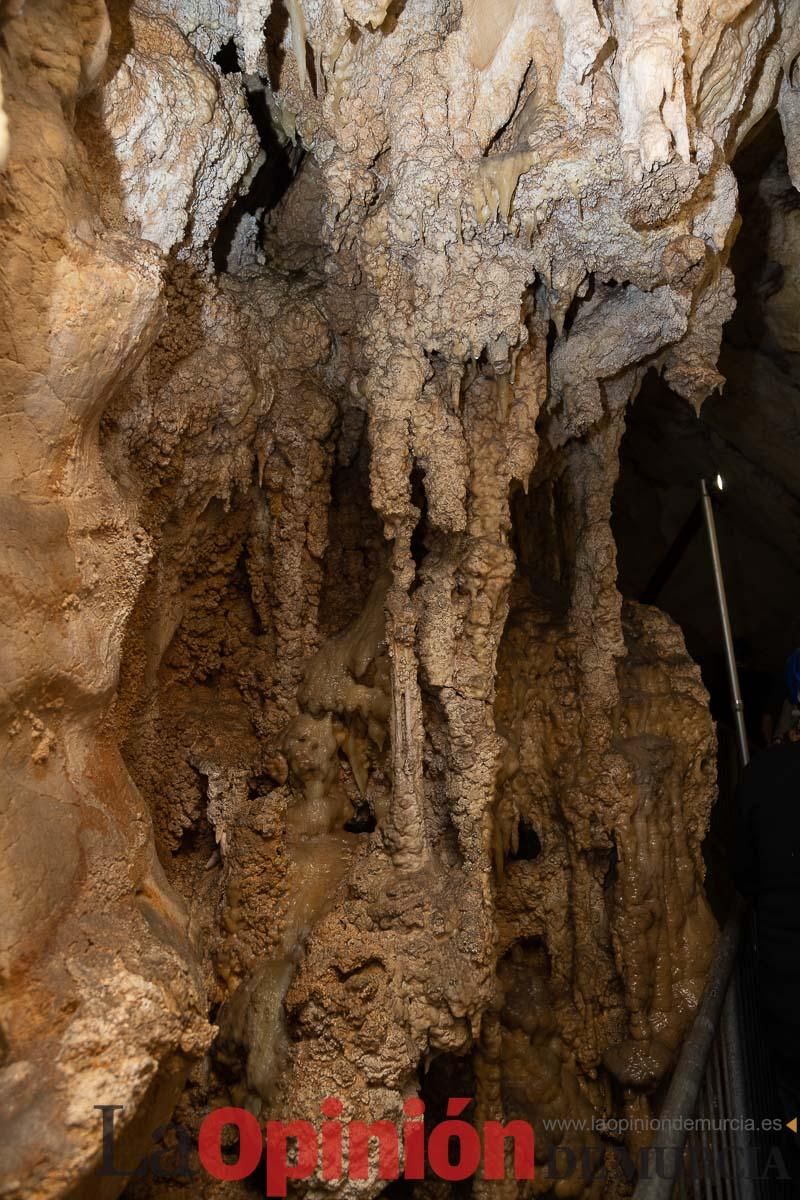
(315, 374)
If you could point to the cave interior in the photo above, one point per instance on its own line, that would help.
(366, 725)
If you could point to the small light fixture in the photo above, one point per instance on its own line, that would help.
(720, 483)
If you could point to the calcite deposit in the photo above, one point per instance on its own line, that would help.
(329, 749)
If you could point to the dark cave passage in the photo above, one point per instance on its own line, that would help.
(749, 434)
(282, 159)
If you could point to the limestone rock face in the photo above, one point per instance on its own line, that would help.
(321, 321)
(181, 134)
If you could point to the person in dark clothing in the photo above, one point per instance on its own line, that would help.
(767, 869)
(762, 694)
(791, 696)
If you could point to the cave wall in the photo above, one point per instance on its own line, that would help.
(320, 326)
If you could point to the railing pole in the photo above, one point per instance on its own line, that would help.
(722, 600)
(732, 1047)
(730, 1025)
(681, 1098)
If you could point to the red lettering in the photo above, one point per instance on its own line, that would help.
(494, 1149)
(469, 1145)
(385, 1133)
(414, 1139)
(332, 1140)
(209, 1143)
(279, 1168)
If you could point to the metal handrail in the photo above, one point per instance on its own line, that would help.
(681, 1098)
(725, 621)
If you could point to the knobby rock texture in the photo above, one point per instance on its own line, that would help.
(330, 751)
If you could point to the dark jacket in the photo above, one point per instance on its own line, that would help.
(767, 868)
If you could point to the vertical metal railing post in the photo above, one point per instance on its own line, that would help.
(730, 1025)
(722, 600)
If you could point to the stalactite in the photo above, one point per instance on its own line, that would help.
(251, 17)
(297, 18)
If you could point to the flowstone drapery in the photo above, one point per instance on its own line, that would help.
(321, 320)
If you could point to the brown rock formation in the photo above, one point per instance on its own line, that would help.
(320, 324)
